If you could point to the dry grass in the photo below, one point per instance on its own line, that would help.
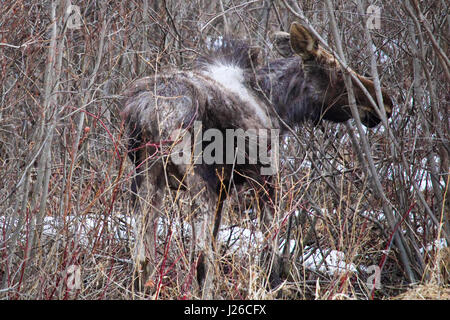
(425, 292)
(65, 176)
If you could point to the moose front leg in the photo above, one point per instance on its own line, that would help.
(270, 259)
(204, 254)
(201, 205)
(206, 210)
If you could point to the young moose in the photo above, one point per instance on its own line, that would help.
(228, 91)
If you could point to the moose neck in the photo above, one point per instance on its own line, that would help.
(283, 85)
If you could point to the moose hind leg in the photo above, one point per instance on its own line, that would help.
(147, 212)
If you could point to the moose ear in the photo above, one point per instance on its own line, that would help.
(303, 42)
(282, 43)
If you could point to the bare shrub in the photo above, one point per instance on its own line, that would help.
(349, 199)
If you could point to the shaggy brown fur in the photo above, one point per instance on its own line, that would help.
(228, 90)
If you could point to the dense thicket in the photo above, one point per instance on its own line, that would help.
(65, 176)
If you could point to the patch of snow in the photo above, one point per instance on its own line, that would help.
(436, 244)
(332, 263)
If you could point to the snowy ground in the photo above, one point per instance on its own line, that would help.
(239, 240)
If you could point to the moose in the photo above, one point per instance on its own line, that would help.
(229, 89)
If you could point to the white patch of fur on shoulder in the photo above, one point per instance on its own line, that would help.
(232, 78)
